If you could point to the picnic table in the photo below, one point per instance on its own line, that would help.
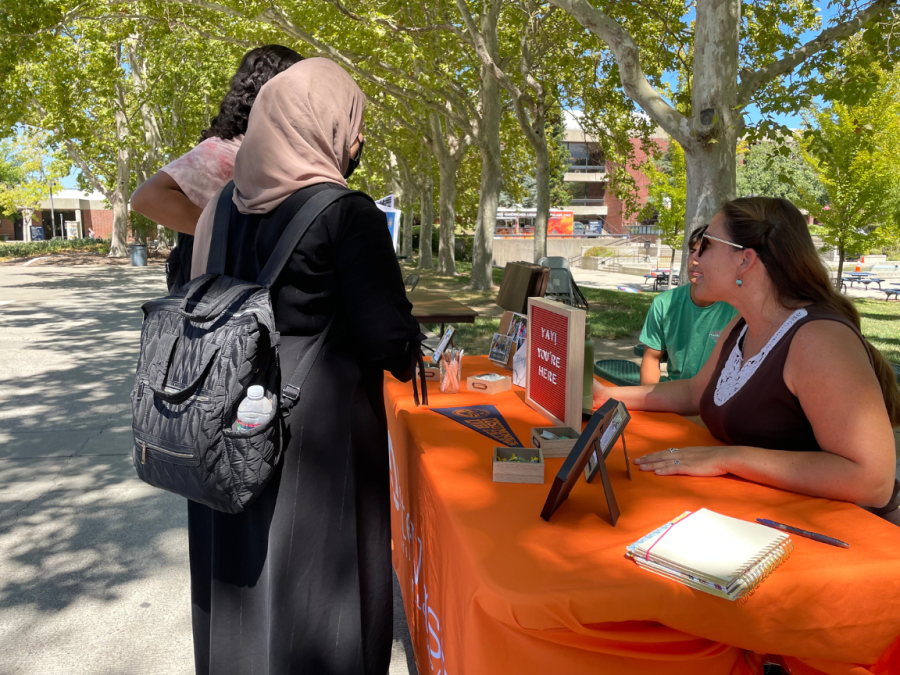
(660, 278)
(437, 307)
(870, 280)
(865, 278)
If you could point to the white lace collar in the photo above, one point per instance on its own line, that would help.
(734, 375)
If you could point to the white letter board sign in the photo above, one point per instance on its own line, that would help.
(555, 368)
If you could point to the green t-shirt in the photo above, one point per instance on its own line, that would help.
(687, 332)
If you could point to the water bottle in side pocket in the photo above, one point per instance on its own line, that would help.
(254, 410)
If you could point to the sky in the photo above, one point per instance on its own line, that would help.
(69, 181)
(753, 115)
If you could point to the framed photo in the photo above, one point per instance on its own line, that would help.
(518, 328)
(588, 450)
(500, 348)
(612, 427)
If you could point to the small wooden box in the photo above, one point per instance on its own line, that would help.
(518, 472)
(432, 374)
(487, 386)
(551, 448)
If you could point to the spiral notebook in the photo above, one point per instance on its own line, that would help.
(713, 553)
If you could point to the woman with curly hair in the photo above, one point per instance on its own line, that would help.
(176, 195)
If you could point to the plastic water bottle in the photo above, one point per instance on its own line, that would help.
(587, 391)
(254, 410)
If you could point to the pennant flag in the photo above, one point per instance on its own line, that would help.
(485, 419)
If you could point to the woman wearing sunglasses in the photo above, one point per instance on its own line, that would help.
(798, 396)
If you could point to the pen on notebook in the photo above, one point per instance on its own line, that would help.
(804, 533)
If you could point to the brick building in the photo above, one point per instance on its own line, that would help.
(587, 180)
(85, 211)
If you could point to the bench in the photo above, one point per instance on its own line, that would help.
(617, 371)
(871, 280)
(888, 292)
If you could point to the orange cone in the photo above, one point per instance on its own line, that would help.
(857, 267)
(862, 258)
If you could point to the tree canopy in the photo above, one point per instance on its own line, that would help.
(464, 97)
(27, 171)
(855, 153)
(765, 169)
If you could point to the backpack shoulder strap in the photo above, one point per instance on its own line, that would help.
(218, 246)
(295, 230)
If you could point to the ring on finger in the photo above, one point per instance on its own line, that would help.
(673, 449)
(677, 462)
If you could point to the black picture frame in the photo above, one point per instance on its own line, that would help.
(611, 430)
(584, 448)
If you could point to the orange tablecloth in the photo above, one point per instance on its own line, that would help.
(490, 588)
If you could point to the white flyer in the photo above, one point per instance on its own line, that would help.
(518, 366)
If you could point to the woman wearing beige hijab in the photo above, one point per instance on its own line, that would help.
(300, 582)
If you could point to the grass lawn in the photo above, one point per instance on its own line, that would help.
(617, 315)
(613, 315)
(881, 326)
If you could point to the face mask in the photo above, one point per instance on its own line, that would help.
(354, 161)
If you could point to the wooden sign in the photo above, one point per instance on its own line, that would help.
(589, 448)
(555, 366)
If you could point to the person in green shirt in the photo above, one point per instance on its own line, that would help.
(682, 326)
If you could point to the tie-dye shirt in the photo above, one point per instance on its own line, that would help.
(202, 171)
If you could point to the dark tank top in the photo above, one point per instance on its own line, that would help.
(762, 412)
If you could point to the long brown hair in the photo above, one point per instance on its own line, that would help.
(777, 231)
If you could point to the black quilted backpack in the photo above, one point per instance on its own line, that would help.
(201, 349)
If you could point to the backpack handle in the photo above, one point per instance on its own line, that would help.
(163, 360)
(195, 291)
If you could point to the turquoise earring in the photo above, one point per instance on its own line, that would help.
(739, 282)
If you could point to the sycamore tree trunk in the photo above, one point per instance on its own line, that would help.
(119, 245)
(153, 143)
(711, 180)
(491, 168)
(401, 196)
(407, 224)
(542, 194)
(426, 212)
(27, 222)
(449, 150)
(715, 123)
(447, 210)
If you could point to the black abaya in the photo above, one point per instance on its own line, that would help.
(300, 582)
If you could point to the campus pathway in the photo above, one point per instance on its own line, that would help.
(614, 280)
(93, 562)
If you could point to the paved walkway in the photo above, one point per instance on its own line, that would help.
(93, 562)
(614, 280)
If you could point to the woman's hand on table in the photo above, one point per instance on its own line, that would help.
(692, 461)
